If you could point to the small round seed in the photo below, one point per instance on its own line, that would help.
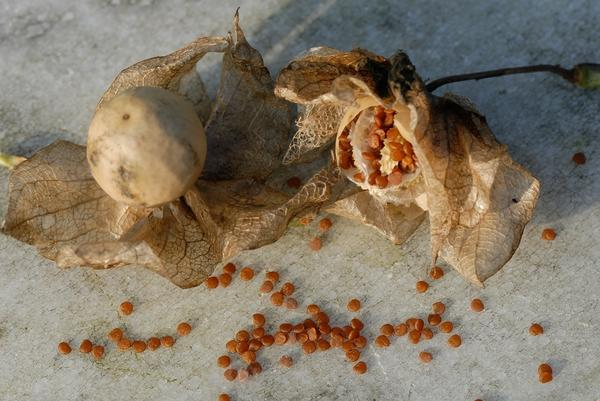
(153, 343)
(325, 224)
(439, 308)
(419, 324)
(241, 347)
(354, 305)
(267, 340)
(421, 286)
(426, 333)
(124, 344)
(401, 329)
(315, 244)
(254, 345)
(477, 305)
(211, 282)
(167, 341)
(387, 329)
(272, 276)
(579, 158)
(323, 344)
(446, 327)
(223, 361)
(382, 341)
(126, 308)
(312, 334)
(313, 309)
(360, 368)
(85, 347)
(357, 324)
(324, 328)
(434, 319)
(258, 319)
(536, 329)
(277, 298)
(548, 234)
(414, 336)
(280, 338)
(229, 268)
(353, 355)
(286, 361)
(258, 332)
(287, 327)
(230, 374)
(288, 289)
(454, 341)
(98, 352)
(545, 377)
(225, 279)
(248, 356)
(425, 357)
(436, 273)
(266, 287)
(254, 368)
(360, 342)
(139, 346)
(64, 348)
(183, 329)
(309, 347)
(115, 335)
(224, 397)
(247, 274)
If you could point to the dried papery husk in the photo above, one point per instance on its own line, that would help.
(55, 204)
(477, 197)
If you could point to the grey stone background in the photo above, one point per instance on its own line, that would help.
(57, 57)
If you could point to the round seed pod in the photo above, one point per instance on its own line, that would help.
(146, 146)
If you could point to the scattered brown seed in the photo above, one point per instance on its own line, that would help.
(64, 348)
(477, 305)
(247, 274)
(287, 327)
(536, 329)
(139, 346)
(545, 377)
(354, 305)
(124, 344)
(272, 276)
(322, 317)
(324, 328)
(312, 334)
(446, 327)
(454, 341)
(211, 282)
(426, 333)
(301, 337)
(85, 347)
(382, 341)
(323, 344)
(254, 344)
(294, 182)
(98, 352)
(544, 367)
(115, 335)
(230, 374)
(267, 340)
(439, 308)
(286, 361)
(353, 355)
(387, 329)
(419, 324)
(231, 346)
(308, 323)
(243, 374)
(224, 397)
(414, 336)
(434, 319)
(315, 244)
(313, 309)
(248, 356)
(258, 332)
(360, 342)
(325, 224)
(223, 361)
(425, 357)
(357, 324)
(401, 329)
(225, 279)
(360, 368)
(266, 286)
(254, 368)
(280, 338)
(258, 319)
(153, 343)
(436, 273)
(422, 286)
(229, 268)
(548, 234)
(309, 347)
(347, 345)
(126, 308)
(277, 298)
(411, 323)
(184, 328)
(241, 347)
(167, 341)
(579, 158)
(288, 289)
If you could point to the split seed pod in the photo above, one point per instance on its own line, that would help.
(446, 162)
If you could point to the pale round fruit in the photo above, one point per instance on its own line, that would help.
(146, 146)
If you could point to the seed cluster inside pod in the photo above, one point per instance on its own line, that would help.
(373, 153)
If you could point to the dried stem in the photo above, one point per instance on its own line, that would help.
(568, 74)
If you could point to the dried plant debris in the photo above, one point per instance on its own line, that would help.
(407, 148)
(56, 205)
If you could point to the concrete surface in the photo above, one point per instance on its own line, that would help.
(58, 57)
